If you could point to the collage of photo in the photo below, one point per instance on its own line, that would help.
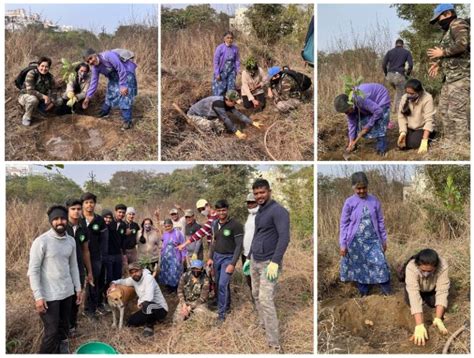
(236, 178)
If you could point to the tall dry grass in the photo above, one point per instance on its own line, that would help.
(239, 335)
(408, 228)
(187, 70)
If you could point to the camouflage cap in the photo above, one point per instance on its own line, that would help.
(232, 95)
(134, 266)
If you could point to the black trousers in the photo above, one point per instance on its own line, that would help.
(56, 324)
(95, 295)
(259, 97)
(414, 137)
(248, 278)
(147, 316)
(428, 297)
(75, 308)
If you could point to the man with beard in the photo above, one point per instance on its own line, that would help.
(97, 235)
(54, 280)
(269, 244)
(151, 303)
(75, 230)
(453, 58)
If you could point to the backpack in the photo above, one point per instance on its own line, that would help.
(20, 79)
(125, 55)
(292, 84)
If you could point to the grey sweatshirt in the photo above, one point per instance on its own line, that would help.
(53, 270)
(147, 289)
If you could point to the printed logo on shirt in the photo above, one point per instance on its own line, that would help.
(121, 231)
(226, 232)
(95, 227)
(134, 231)
(82, 238)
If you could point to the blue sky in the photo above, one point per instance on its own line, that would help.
(90, 16)
(340, 170)
(334, 21)
(103, 172)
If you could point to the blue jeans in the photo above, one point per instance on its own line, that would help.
(114, 268)
(221, 261)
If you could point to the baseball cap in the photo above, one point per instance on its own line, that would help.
(439, 10)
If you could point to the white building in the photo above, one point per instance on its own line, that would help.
(19, 170)
(19, 19)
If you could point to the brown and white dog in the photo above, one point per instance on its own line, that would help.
(118, 297)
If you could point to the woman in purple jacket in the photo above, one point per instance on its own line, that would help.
(122, 84)
(363, 239)
(226, 66)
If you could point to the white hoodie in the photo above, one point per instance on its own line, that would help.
(249, 231)
(147, 289)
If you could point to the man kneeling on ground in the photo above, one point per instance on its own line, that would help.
(151, 303)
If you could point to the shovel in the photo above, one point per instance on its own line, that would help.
(347, 154)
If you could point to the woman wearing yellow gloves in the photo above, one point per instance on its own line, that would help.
(426, 281)
(77, 88)
(415, 117)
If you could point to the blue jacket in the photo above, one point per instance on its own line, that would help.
(272, 233)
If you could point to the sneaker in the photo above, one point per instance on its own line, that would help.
(26, 122)
(107, 308)
(64, 347)
(381, 153)
(126, 125)
(102, 310)
(148, 332)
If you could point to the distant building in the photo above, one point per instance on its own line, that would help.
(19, 19)
(240, 22)
(19, 170)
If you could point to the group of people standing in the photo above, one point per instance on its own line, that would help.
(38, 88)
(285, 86)
(368, 111)
(87, 252)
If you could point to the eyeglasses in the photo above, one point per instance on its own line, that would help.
(200, 209)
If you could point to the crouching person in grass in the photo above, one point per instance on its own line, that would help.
(151, 303)
(193, 292)
(54, 280)
(426, 281)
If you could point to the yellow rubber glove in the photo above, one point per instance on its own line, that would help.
(272, 271)
(421, 335)
(423, 146)
(438, 322)
(194, 256)
(240, 135)
(401, 142)
(70, 95)
(257, 124)
(246, 268)
(72, 101)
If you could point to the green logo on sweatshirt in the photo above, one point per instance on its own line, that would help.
(95, 227)
(226, 232)
(134, 231)
(82, 238)
(121, 231)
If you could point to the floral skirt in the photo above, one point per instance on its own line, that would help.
(113, 98)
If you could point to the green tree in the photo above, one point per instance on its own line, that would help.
(270, 22)
(420, 36)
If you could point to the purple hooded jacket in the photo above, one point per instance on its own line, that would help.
(351, 215)
(376, 98)
(110, 61)
(220, 56)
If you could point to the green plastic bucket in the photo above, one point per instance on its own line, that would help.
(96, 348)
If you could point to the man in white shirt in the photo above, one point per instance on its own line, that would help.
(249, 230)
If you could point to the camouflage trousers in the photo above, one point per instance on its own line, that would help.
(397, 81)
(288, 105)
(263, 292)
(30, 103)
(454, 110)
(208, 125)
(200, 310)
